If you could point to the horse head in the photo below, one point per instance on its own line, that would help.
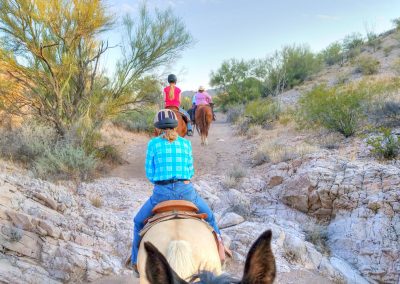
(259, 267)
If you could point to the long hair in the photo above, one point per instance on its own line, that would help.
(171, 91)
(170, 134)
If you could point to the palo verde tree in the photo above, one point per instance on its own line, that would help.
(51, 53)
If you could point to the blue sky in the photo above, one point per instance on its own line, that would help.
(248, 29)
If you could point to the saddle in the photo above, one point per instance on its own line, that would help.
(173, 209)
(180, 209)
(176, 110)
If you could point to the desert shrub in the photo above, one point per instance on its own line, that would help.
(353, 42)
(66, 160)
(317, 234)
(262, 111)
(299, 63)
(387, 50)
(386, 145)
(26, 143)
(234, 112)
(342, 78)
(367, 65)
(137, 121)
(243, 125)
(237, 173)
(186, 103)
(396, 66)
(333, 108)
(333, 53)
(109, 153)
(396, 23)
(330, 141)
(391, 109)
(96, 200)
(373, 40)
(253, 131)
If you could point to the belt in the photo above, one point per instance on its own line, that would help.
(164, 182)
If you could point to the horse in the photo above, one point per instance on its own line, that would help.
(203, 119)
(259, 267)
(182, 127)
(188, 244)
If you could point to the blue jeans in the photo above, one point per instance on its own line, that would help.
(185, 113)
(174, 191)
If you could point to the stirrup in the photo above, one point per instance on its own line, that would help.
(190, 133)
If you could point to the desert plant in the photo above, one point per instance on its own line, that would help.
(243, 125)
(66, 160)
(317, 234)
(253, 131)
(52, 51)
(367, 65)
(14, 234)
(387, 50)
(237, 173)
(352, 45)
(138, 121)
(396, 66)
(234, 113)
(396, 23)
(262, 111)
(333, 53)
(109, 153)
(96, 200)
(27, 142)
(386, 145)
(334, 108)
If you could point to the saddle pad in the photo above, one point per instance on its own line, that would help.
(175, 205)
(166, 216)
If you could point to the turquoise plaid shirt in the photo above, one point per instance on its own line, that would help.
(165, 160)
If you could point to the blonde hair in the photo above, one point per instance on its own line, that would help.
(170, 134)
(171, 91)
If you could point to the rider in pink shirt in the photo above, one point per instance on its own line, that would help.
(203, 98)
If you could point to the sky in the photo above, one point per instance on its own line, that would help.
(246, 29)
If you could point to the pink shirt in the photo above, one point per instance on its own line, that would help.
(175, 101)
(203, 98)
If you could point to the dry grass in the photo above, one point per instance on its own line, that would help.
(275, 152)
(317, 234)
(96, 200)
(234, 177)
(253, 131)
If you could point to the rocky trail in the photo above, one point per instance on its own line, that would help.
(334, 219)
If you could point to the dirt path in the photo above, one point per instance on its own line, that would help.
(224, 151)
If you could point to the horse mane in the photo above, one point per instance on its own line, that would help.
(207, 277)
(180, 258)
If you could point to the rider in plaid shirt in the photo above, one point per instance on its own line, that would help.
(168, 161)
(169, 165)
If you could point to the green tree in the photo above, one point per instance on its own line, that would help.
(52, 50)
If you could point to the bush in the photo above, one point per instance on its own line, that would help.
(109, 153)
(28, 142)
(333, 108)
(387, 50)
(386, 145)
(333, 54)
(234, 113)
(66, 160)
(262, 111)
(353, 41)
(396, 23)
(396, 66)
(367, 65)
(137, 121)
(299, 63)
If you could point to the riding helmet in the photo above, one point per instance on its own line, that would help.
(172, 78)
(165, 119)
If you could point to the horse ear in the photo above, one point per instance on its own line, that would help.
(158, 270)
(260, 262)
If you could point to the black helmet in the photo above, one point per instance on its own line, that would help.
(165, 119)
(172, 78)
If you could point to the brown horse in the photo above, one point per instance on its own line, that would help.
(203, 119)
(182, 128)
(259, 267)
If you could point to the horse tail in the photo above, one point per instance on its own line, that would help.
(180, 258)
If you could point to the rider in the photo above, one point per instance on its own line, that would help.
(169, 166)
(173, 99)
(202, 98)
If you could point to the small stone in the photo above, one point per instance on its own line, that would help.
(230, 219)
